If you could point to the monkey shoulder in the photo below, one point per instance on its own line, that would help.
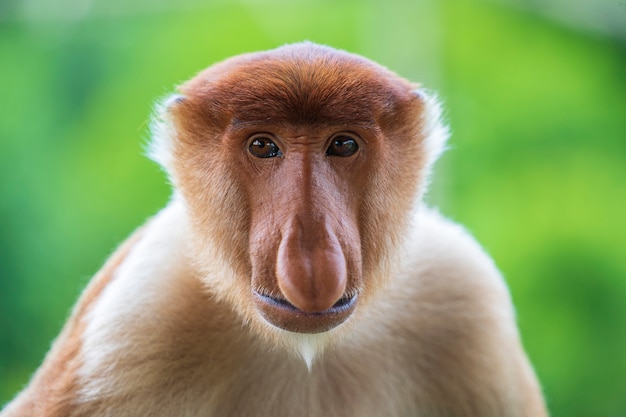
(447, 283)
(441, 253)
(446, 317)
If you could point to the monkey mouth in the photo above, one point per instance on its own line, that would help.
(344, 303)
(281, 313)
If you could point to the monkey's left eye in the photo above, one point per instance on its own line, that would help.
(342, 145)
(264, 147)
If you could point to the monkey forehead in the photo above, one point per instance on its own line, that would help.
(302, 83)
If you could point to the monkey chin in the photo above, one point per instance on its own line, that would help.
(309, 346)
(304, 334)
(306, 346)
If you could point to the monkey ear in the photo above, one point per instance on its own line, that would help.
(435, 132)
(163, 132)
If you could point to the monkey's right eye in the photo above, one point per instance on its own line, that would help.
(264, 147)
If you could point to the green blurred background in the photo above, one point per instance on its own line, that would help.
(535, 94)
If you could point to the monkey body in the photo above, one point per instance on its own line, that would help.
(340, 294)
(433, 346)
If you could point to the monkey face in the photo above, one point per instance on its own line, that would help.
(299, 167)
(305, 241)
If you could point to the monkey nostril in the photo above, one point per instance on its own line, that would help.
(279, 302)
(344, 303)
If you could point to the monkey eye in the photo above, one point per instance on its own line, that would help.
(342, 145)
(264, 147)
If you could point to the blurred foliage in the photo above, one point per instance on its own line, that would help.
(536, 167)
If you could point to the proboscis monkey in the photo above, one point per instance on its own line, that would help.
(295, 271)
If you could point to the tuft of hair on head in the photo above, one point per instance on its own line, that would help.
(436, 133)
(162, 133)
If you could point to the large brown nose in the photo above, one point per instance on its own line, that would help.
(311, 266)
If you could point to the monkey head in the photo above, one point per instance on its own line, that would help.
(299, 168)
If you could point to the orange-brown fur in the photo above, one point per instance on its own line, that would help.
(207, 310)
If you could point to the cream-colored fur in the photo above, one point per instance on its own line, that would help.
(440, 340)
